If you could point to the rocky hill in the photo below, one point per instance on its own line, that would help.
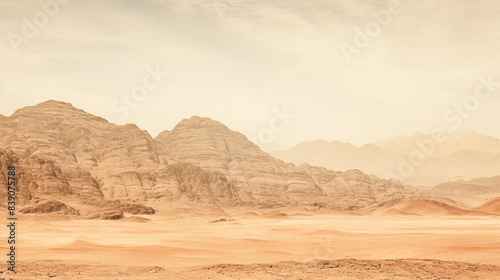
(67, 155)
(250, 175)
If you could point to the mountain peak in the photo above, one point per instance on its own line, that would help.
(56, 103)
(55, 109)
(199, 122)
(48, 106)
(65, 152)
(314, 142)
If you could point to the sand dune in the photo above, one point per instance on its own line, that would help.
(492, 206)
(429, 207)
(264, 244)
(395, 212)
(422, 207)
(191, 241)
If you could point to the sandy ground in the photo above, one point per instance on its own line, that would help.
(339, 269)
(257, 246)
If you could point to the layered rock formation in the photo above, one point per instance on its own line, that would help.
(247, 174)
(61, 152)
(66, 154)
(50, 207)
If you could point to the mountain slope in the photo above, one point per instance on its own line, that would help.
(68, 151)
(254, 175)
(65, 154)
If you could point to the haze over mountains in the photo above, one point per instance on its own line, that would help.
(473, 192)
(65, 154)
(416, 160)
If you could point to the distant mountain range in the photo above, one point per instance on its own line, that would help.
(420, 159)
(473, 192)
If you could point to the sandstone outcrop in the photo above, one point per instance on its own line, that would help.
(246, 174)
(107, 215)
(50, 207)
(64, 153)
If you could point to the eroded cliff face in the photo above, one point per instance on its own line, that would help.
(64, 153)
(246, 174)
(353, 189)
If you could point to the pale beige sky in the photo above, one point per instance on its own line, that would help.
(263, 55)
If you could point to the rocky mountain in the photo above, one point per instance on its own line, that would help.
(248, 174)
(61, 152)
(66, 155)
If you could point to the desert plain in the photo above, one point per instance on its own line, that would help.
(212, 243)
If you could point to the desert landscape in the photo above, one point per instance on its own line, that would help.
(249, 140)
(104, 201)
(260, 246)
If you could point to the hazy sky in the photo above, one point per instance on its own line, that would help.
(237, 61)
